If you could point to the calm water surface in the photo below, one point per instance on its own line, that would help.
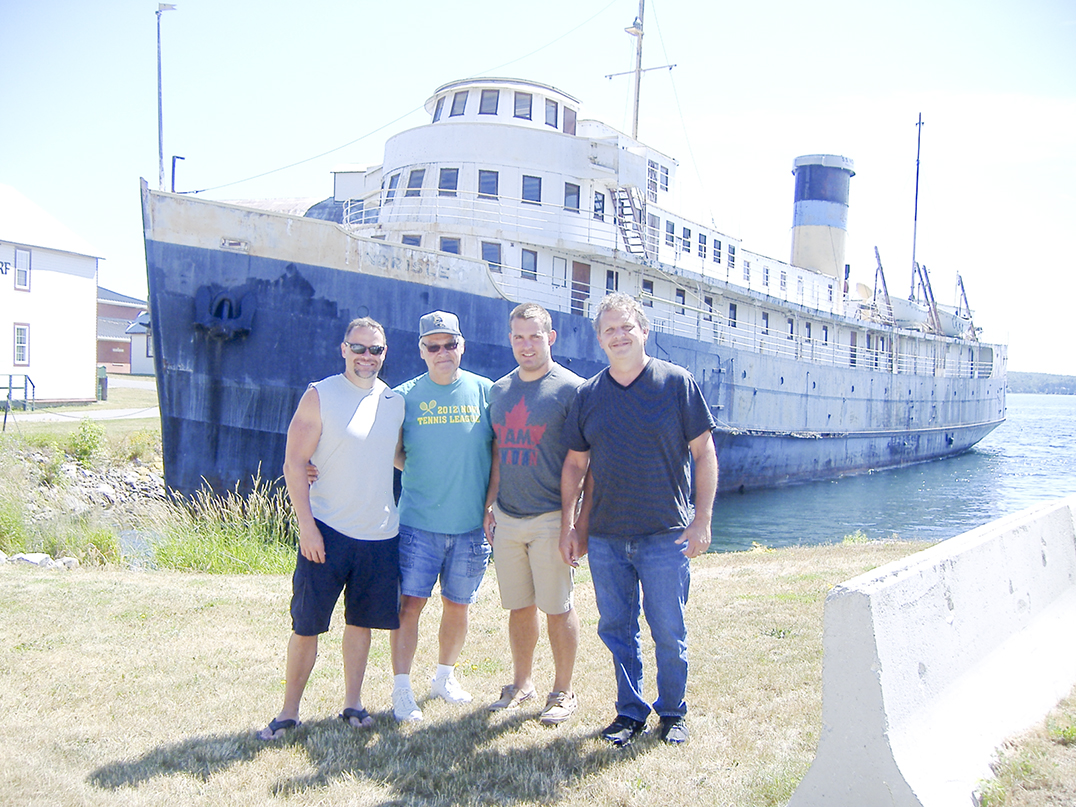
(1030, 458)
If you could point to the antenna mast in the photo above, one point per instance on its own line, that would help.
(915, 215)
(637, 31)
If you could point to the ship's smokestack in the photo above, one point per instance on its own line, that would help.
(820, 217)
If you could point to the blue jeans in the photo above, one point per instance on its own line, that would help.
(655, 568)
(459, 560)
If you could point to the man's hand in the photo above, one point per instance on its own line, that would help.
(311, 544)
(697, 539)
(489, 525)
(311, 473)
(573, 547)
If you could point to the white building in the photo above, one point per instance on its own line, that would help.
(48, 306)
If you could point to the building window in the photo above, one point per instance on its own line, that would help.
(612, 281)
(681, 298)
(22, 269)
(784, 280)
(450, 245)
(670, 233)
(412, 240)
(717, 251)
(488, 104)
(529, 263)
(664, 183)
(487, 184)
(766, 276)
(648, 293)
(491, 254)
(149, 345)
(523, 105)
(599, 205)
(571, 197)
(765, 323)
(732, 257)
(550, 112)
(414, 182)
(448, 182)
(394, 180)
(532, 189)
(702, 246)
(459, 104)
(747, 271)
(685, 241)
(732, 315)
(569, 121)
(22, 344)
(651, 181)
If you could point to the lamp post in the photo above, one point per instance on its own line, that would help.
(160, 114)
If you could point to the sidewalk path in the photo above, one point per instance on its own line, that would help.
(75, 415)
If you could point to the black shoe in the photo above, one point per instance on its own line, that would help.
(623, 730)
(673, 729)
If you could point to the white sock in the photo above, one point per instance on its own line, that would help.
(401, 681)
(443, 671)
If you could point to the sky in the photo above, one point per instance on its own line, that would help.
(264, 98)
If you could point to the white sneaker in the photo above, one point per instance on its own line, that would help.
(449, 689)
(404, 707)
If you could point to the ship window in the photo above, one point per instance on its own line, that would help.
(765, 323)
(784, 280)
(569, 121)
(717, 251)
(459, 104)
(825, 334)
(529, 265)
(491, 254)
(664, 184)
(791, 328)
(799, 288)
(446, 185)
(766, 276)
(852, 349)
(599, 205)
(681, 298)
(653, 226)
(747, 271)
(651, 181)
(450, 245)
(412, 240)
(550, 112)
(732, 315)
(685, 241)
(612, 280)
(708, 304)
(732, 256)
(571, 197)
(532, 189)
(394, 180)
(414, 182)
(487, 184)
(437, 110)
(670, 233)
(523, 105)
(807, 331)
(22, 269)
(829, 289)
(648, 293)
(488, 105)
(702, 246)
(22, 344)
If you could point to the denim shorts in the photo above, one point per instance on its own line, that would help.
(366, 571)
(458, 560)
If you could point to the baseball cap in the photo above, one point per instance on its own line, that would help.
(439, 322)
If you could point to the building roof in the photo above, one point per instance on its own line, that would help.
(109, 296)
(23, 222)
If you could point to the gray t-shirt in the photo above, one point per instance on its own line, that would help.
(528, 418)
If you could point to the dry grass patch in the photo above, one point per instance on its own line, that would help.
(124, 688)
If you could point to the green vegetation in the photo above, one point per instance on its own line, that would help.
(1042, 383)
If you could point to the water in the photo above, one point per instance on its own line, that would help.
(1031, 458)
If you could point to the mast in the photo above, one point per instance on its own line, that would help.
(915, 215)
(637, 31)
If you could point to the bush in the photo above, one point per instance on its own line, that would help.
(86, 442)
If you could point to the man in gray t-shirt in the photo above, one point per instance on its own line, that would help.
(522, 523)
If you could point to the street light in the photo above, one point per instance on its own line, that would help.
(160, 114)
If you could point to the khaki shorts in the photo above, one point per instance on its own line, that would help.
(530, 571)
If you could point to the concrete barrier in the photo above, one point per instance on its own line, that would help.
(933, 661)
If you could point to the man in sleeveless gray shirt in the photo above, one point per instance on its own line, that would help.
(348, 426)
(522, 523)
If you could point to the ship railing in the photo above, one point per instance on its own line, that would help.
(20, 389)
(543, 222)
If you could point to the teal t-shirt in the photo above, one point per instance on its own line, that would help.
(448, 440)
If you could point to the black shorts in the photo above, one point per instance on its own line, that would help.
(368, 572)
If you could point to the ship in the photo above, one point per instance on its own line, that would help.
(508, 194)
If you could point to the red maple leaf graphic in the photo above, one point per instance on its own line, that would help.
(515, 433)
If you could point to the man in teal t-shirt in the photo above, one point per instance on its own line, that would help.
(446, 455)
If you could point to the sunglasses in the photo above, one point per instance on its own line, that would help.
(375, 350)
(437, 348)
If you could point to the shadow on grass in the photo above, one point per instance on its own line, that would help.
(447, 762)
